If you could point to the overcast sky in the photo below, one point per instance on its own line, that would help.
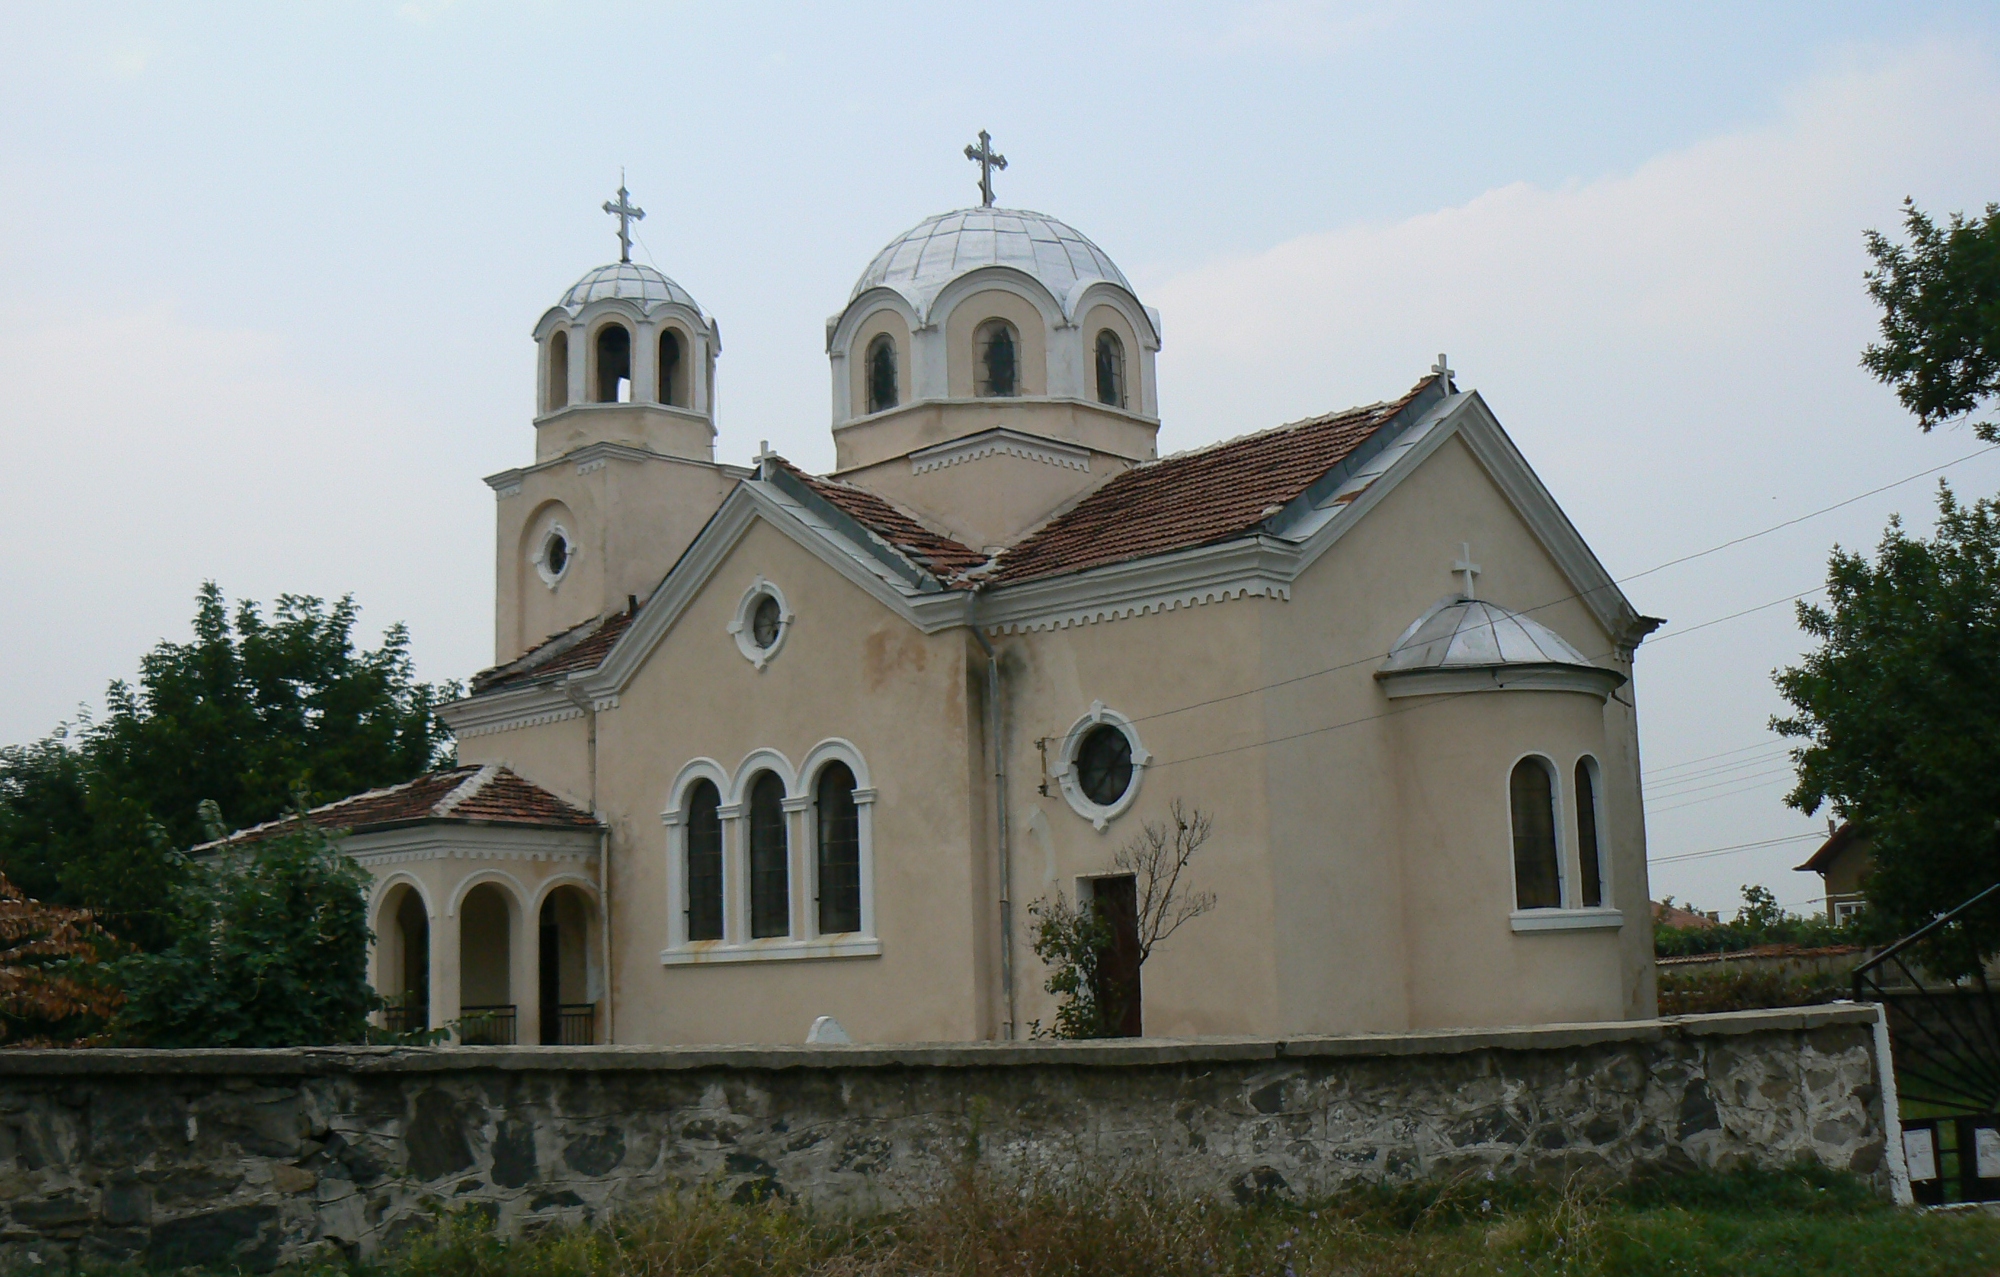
(267, 275)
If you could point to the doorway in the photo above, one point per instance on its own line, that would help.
(568, 1015)
(1116, 901)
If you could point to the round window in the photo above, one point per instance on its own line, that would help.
(555, 553)
(764, 622)
(1104, 764)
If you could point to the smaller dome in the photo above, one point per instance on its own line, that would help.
(631, 281)
(1462, 633)
(922, 260)
(1462, 644)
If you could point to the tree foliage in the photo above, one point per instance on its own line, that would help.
(269, 948)
(252, 710)
(48, 992)
(1940, 300)
(1899, 712)
(1074, 940)
(1758, 923)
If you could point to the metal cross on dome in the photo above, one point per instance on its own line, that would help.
(1465, 566)
(626, 213)
(988, 160)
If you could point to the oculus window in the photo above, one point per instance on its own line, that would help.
(996, 352)
(554, 555)
(882, 387)
(1537, 864)
(704, 862)
(762, 622)
(770, 886)
(838, 845)
(1101, 764)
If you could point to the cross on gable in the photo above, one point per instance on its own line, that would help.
(626, 213)
(1465, 566)
(1442, 371)
(988, 160)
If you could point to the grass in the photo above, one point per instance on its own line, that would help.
(1743, 1225)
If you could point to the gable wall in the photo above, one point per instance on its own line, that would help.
(847, 668)
(1408, 805)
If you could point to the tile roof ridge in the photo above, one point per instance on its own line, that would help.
(543, 652)
(465, 789)
(1247, 436)
(278, 822)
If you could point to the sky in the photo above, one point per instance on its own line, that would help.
(267, 276)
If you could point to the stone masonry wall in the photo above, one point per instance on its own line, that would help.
(253, 1158)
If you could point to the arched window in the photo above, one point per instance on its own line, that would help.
(839, 847)
(1589, 857)
(557, 395)
(672, 388)
(704, 862)
(614, 364)
(770, 891)
(1537, 870)
(997, 354)
(1110, 369)
(882, 391)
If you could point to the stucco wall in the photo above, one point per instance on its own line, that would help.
(256, 1157)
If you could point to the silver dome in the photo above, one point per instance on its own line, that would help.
(631, 281)
(922, 260)
(1461, 633)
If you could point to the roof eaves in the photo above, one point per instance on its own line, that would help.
(1427, 394)
(783, 478)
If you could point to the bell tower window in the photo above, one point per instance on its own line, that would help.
(671, 380)
(1110, 369)
(614, 364)
(882, 390)
(556, 395)
(996, 351)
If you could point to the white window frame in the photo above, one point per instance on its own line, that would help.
(802, 859)
(740, 626)
(550, 577)
(1072, 790)
(1569, 915)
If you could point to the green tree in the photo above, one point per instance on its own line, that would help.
(249, 712)
(269, 948)
(1940, 300)
(1899, 712)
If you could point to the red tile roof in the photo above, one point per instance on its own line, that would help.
(941, 556)
(467, 795)
(1195, 498)
(581, 647)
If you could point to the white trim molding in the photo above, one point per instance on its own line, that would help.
(1591, 680)
(777, 949)
(1000, 441)
(1072, 790)
(1535, 920)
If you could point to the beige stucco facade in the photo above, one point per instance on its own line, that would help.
(1363, 854)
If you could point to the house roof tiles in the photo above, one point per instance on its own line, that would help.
(468, 794)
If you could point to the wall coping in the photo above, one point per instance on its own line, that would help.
(335, 1060)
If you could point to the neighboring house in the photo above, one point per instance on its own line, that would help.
(1668, 914)
(836, 733)
(1843, 862)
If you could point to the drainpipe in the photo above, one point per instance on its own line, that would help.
(583, 702)
(998, 746)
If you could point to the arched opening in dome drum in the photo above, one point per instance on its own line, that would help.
(673, 388)
(557, 393)
(1110, 369)
(996, 348)
(614, 364)
(882, 390)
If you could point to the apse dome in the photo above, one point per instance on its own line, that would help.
(628, 281)
(1470, 645)
(921, 261)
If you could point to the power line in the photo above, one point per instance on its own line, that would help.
(1686, 558)
(1732, 849)
(1664, 783)
(1708, 780)
(1705, 757)
(1696, 802)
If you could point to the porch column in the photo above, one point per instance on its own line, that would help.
(444, 967)
(524, 972)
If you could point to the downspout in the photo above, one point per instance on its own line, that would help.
(998, 747)
(584, 703)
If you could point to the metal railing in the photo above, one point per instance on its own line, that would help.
(486, 1025)
(406, 1015)
(1944, 1033)
(579, 1023)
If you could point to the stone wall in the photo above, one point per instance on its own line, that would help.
(256, 1157)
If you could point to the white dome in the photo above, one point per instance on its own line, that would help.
(631, 281)
(1460, 633)
(921, 261)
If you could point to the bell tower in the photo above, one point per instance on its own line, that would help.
(624, 472)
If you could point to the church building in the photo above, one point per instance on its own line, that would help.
(762, 746)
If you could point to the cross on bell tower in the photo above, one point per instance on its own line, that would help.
(626, 213)
(988, 160)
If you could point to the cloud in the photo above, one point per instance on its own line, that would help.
(1675, 349)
